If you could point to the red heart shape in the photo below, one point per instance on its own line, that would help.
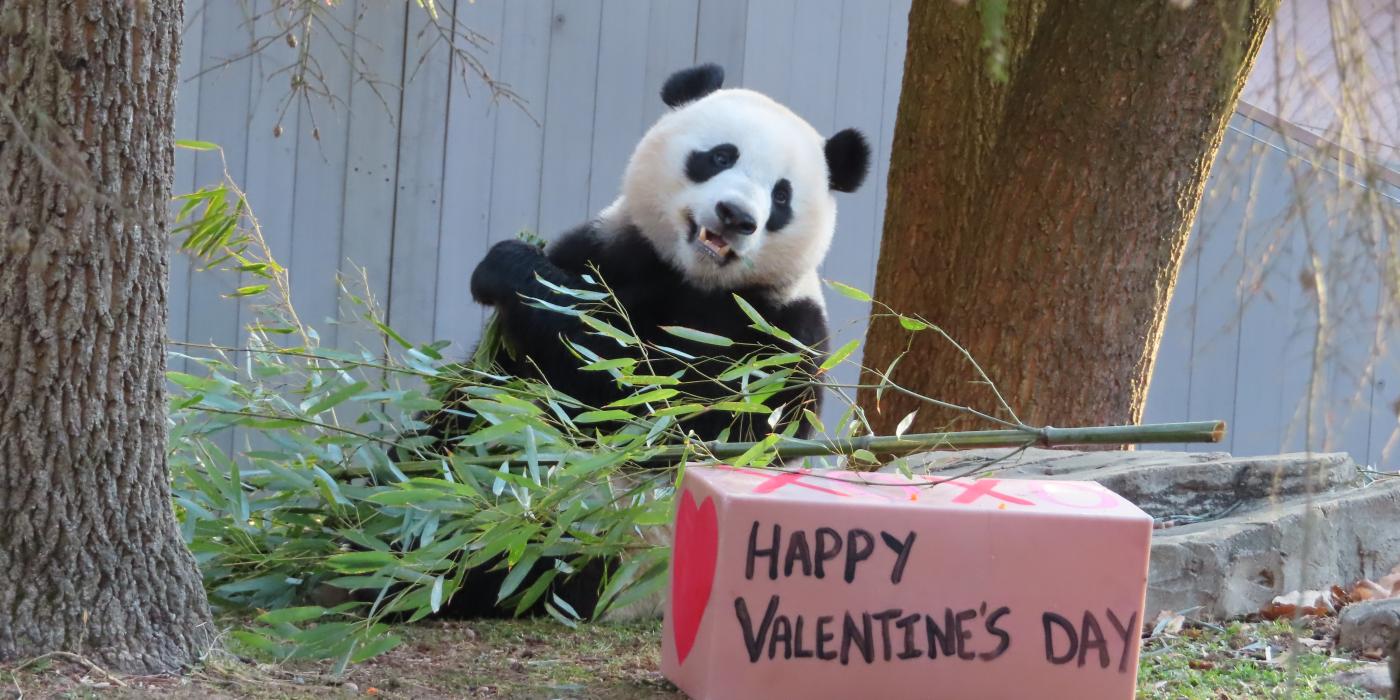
(693, 560)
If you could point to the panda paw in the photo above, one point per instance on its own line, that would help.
(507, 266)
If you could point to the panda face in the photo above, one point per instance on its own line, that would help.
(733, 189)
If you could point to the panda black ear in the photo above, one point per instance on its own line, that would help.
(847, 160)
(691, 84)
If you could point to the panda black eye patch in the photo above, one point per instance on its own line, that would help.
(782, 205)
(703, 165)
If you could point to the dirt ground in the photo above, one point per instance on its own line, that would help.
(480, 659)
(542, 659)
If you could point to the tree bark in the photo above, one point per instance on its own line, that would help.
(91, 561)
(1042, 221)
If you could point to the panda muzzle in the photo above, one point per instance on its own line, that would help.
(734, 219)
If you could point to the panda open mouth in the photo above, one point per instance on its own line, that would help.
(714, 243)
(711, 242)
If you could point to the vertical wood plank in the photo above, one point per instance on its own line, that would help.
(418, 187)
(186, 127)
(1354, 297)
(670, 42)
(1287, 358)
(568, 115)
(897, 40)
(271, 160)
(519, 144)
(318, 214)
(1271, 291)
(720, 35)
(1169, 390)
(1385, 399)
(857, 101)
(820, 41)
(768, 48)
(223, 119)
(224, 110)
(623, 92)
(1385, 416)
(853, 321)
(467, 185)
(1217, 236)
(371, 166)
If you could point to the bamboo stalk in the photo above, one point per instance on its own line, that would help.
(787, 448)
(1199, 431)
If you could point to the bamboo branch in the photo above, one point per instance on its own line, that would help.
(787, 448)
(1200, 431)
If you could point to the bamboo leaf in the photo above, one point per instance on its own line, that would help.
(912, 324)
(741, 407)
(575, 293)
(753, 314)
(644, 397)
(361, 562)
(435, 597)
(589, 417)
(603, 365)
(698, 336)
(535, 590)
(609, 330)
(336, 398)
(904, 423)
(648, 380)
(248, 291)
(849, 291)
(297, 614)
(492, 433)
(395, 336)
(839, 356)
(756, 451)
(517, 575)
(374, 648)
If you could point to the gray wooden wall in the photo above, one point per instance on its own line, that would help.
(1242, 340)
(414, 185)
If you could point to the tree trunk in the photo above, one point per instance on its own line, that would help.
(1041, 221)
(91, 561)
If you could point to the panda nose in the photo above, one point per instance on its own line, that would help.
(734, 219)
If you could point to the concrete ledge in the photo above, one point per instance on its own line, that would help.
(1258, 527)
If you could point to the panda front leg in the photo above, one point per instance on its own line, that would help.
(511, 272)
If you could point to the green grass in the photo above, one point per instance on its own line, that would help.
(1244, 660)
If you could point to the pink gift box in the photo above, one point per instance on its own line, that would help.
(858, 585)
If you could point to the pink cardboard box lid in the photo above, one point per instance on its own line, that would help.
(842, 584)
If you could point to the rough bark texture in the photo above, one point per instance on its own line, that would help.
(91, 561)
(1042, 221)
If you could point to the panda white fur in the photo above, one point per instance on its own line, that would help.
(729, 192)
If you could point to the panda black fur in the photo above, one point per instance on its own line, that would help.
(729, 193)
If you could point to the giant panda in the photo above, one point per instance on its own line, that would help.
(728, 193)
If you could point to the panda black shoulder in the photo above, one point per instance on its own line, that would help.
(573, 250)
(622, 253)
(805, 319)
